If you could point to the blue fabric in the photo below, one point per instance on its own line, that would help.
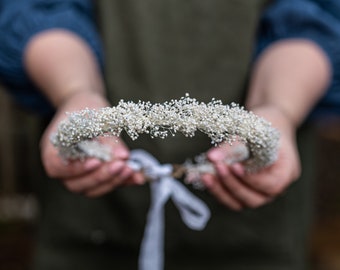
(316, 20)
(19, 21)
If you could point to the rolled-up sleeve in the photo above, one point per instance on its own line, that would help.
(21, 20)
(318, 21)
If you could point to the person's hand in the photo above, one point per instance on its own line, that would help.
(237, 189)
(67, 72)
(91, 177)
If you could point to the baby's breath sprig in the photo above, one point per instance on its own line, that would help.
(221, 123)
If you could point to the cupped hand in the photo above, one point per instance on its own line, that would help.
(91, 177)
(236, 188)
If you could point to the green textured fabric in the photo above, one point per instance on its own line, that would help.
(158, 50)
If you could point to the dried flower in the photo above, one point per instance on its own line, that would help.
(221, 123)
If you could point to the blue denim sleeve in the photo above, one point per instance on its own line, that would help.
(318, 21)
(20, 21)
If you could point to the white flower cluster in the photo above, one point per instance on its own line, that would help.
(221, 123)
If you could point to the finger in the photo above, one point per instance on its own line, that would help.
(222, 170)
(107, 172)
(137, 178)
(228, 153)
(59, 168)
(130, 177)
(125, 173)
(119, 150)
(216, 154)
(222, 194)
(269, 181)
(243, 193)
(103, 188)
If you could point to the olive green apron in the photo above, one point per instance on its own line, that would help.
(158, 50)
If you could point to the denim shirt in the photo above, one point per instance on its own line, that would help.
(315, 20)
(20, 21)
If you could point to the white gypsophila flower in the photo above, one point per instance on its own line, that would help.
(221, 123)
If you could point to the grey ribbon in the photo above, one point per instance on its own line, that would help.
(194, 212)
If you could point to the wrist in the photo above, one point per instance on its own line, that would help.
(277, 117)
(79, 100)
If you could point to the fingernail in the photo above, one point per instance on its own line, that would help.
(116, 167)
(238, 169)
(215, 155)
(121, 153)
(207, 181)
(139, 179)
(92, 164)
(222, 169)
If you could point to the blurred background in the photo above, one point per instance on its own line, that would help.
(21, 174)
(19, 168)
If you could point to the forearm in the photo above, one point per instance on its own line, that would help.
(290, 76)
(66, 70)
(63, 67)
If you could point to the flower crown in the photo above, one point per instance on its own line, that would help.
(221, 123)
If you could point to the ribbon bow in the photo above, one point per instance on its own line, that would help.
(194, 212)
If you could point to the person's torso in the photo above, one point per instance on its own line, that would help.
(160, 50)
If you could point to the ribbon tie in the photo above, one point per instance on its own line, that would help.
(194, 212)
